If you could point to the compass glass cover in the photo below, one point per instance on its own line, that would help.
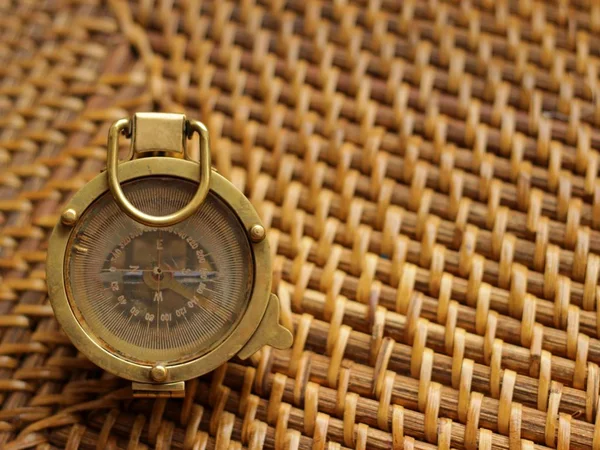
(159, 294)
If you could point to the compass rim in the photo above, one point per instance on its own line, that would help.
(90, 344)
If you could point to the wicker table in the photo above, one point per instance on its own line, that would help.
(428, 175)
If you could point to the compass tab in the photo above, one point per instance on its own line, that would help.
(269, 331)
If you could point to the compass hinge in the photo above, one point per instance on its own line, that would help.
(157, 390)
(158, 132)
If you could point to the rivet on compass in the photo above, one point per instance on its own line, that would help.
(257, 233)
(69, 217)
(158, 373)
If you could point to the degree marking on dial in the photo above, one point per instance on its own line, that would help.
(81, 249)
(159, 246)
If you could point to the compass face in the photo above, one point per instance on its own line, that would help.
(159, 294)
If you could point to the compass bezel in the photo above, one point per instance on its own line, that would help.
(92, 346)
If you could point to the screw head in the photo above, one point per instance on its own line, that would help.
(69, 217)
(158, 373)
(257, 233)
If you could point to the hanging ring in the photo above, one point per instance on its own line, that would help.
(188, 128)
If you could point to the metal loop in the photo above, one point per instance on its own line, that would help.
(147, 219)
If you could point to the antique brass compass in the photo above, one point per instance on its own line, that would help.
(159, 270)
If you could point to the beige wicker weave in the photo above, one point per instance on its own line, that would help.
(428, 174)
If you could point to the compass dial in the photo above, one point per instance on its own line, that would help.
(167, 294)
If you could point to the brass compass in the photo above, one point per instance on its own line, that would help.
(159, 270)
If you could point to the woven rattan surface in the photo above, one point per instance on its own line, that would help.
(428, 175)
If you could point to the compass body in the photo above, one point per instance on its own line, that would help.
(160, 303)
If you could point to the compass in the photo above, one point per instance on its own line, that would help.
(159, 270)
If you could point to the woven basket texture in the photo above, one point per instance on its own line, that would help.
(428, 175)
